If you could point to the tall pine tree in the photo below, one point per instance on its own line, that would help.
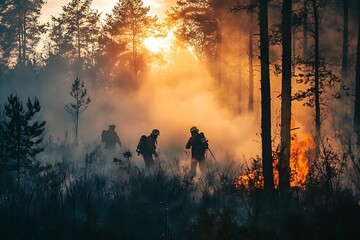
(284, 170)
(20, 30)
(21, 134)
(126, 29)
(75, 34)
(81, 102)
(265, 98)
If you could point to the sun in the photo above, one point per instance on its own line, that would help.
(153, 44)
(160, 44)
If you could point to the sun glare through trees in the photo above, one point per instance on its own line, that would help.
(162, 45)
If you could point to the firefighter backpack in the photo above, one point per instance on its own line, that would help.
(204, 141)
(142, 145)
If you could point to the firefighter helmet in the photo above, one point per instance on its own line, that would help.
(194, 128)
(155, 132)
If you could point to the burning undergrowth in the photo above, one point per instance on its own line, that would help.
(301, 149)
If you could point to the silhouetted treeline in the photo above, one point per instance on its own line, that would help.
(112, 53)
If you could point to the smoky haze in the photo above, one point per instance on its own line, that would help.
(173, 100)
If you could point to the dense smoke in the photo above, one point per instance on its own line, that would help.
(173, 100)
(181, 96)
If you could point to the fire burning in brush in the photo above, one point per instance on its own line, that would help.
(301, 146)
(253, 179)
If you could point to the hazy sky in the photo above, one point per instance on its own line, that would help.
(53, 7)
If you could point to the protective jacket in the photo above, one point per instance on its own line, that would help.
(197, 148)
(148, 151)
(110, 138)
(151, 146)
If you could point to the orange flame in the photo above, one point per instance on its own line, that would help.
(299, 166)
(251, 180)
(299, 161)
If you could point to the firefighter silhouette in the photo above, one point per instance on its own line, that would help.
(110, 138)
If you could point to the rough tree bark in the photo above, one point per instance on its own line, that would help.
(305, 30)
(317, 83)
(284, 171)
(251, 73)
(357, 87)
(265, 99)
(344, 65)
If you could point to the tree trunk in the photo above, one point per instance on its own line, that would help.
(24, 39)
(251, 73)
(19, 41)
(344, 65)
(134, 47)
(78, 44)
(76, 126)
(305, 31)
(219, 51)
(293, 46)
(317, 85)
(239, 88)
(265, 99)
(284, 171)
(357, 86)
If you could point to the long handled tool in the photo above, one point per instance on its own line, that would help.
(213, 156)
